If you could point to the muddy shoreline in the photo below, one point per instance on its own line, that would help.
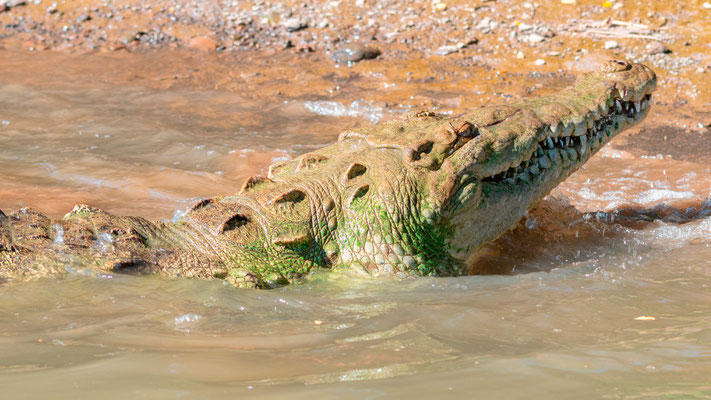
(443, 45)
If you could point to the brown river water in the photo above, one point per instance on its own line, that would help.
(603, 290)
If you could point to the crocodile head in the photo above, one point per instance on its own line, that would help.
(419, 196)
(525, 149)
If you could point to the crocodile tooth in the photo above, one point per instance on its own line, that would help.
(603, 109)
(580, 128)
(583, 145)
(567, 129)
(578, 119)
(618, 106)
(637, 106)
(594, 143)
(590, 122)
(572, 154)
(626, 95)
(564, 156)
(539, 152)
(554, 129)
(550, 142)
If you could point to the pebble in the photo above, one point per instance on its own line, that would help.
(202, 44)
(540, 61)
(354, 52)
(611, 44)
(707, 5)
(535, 38)
(520, 55)
(444, 50)
(294, 24)
(657, 48)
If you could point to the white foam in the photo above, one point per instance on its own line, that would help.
(357, 108)
(656, 195)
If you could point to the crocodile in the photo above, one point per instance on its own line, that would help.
(412, 197)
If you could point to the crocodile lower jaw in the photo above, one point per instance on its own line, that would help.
(575, 142)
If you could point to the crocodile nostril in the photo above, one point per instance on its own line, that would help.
(615, 66)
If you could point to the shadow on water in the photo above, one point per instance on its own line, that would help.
(555, 234)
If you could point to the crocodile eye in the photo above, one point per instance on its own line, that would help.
(615, 66)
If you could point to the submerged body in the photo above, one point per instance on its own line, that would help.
(412, 197)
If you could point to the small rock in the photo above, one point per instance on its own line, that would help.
(535, 38)
(202, 44)
(706, 5)
(657, 48)
(487, 24)
(294, 24)
(524, 27)
(440, 7)
(611, 44)
(444, 50)
(520, 55)
(471, 41)
(540, 62)
(83, 18)
(354, 52)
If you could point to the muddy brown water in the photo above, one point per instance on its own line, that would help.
(605, 291)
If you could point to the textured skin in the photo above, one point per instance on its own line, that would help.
(411, 197)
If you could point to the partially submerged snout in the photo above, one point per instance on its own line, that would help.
(528, 147)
